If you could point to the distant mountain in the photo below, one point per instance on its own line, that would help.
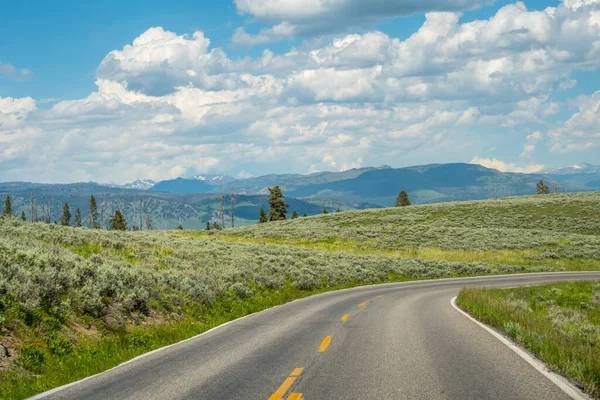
(583, 168)
(425, 184)
(214, 180)
(181, 185)
(194, 201)
(584, 174)
(141, 184)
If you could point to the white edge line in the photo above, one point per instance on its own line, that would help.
(68, 385)
(566, 386)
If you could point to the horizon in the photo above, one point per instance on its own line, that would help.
(244, 88)
(193, 177)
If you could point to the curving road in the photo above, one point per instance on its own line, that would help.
(393, 341)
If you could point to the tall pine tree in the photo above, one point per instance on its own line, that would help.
(8, 210)
(294, 215)
(94, 216)
(277, 206)
(262, 217)
(77, 220)
(118, 222)
(402, 199)
(65, 218)
(23, 218)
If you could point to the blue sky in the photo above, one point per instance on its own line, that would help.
(254, 87)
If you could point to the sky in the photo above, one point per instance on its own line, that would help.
(117, 91)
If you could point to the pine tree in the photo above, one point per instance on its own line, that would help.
(77, 220)
(305, 215)
(8, 211)
(217, 227)
(277, 206)
(338, 210)
(180, 227)
(542, 188)
(402, 199)
(118, 222)
(262, 218)
(65, 218)
(94, 217)
(207, 226)
(294, 215)
(325, 211)
(23, 218)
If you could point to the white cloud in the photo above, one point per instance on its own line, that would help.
(307, 18)
(506, 167)
(273, 34)
(582, 131)
(10, 72)
(170, 104)
(530, 144)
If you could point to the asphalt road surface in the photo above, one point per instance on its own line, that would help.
(393, 341)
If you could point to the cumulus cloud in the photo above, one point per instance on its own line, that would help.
(506, 167)
(582, 130)
(170, 104)
(308, 18)
(10, 72)
(530, 144)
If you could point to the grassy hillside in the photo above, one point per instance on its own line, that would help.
(560, 323)
(562, 230)
(74, 302)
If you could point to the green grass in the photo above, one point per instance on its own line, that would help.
(94, 354)
(74, 302)
(528, 257)
(560, 323)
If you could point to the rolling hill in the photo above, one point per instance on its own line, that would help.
(426, 184)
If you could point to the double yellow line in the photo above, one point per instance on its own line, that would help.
(289, 381)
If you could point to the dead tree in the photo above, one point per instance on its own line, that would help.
(222, 212)
(232, 203)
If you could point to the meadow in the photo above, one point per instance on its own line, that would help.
(76, 301)
(560, 323)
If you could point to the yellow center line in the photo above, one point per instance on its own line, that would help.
(278, 395)
(362, 304)
(295, 396)
(324, 344)
(380, 296)
(345, 317)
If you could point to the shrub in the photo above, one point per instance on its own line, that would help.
(32, 358)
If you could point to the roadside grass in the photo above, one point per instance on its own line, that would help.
(91, 354)
(76, 301)
(560, 323)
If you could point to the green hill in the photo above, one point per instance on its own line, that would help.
(76, 301)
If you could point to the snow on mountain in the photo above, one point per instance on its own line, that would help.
(582, 168)
(214, 179)
(140, 184)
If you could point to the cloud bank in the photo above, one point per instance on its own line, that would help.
(169, 104)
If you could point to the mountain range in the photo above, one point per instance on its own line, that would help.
(194, 201)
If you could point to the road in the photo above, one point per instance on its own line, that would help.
(393, 341)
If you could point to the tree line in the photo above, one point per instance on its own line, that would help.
(278, 210)
(95, 219)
